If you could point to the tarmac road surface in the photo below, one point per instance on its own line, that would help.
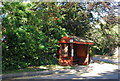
(92, 71)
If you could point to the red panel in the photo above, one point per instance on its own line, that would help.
(80, 50)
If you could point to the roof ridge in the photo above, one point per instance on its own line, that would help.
(75, 38)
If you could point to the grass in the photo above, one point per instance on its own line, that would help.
(55, 67)
(21, 70)
(37, 68)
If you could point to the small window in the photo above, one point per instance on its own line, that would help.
(66, 50)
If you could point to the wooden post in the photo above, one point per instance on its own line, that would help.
(87, 56)
(60, 51)
(72, 50)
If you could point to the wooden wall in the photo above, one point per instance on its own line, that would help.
(81, 55)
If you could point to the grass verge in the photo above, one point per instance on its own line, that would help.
(22, 70)
(38, 68)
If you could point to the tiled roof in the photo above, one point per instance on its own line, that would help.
(75, 38)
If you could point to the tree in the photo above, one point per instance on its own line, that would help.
(76, 18)
(102, 32)
(32, 36)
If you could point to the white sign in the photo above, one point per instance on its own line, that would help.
(71, 40)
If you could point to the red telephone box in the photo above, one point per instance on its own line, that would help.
(74, 50)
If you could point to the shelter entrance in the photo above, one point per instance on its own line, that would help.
(81, 54)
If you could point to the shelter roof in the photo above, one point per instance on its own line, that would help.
(75, 39)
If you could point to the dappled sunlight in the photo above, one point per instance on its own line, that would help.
(107, 57)
(92, 71)
(51, 67)
(99, 70)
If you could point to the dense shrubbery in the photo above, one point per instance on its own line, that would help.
(31, 37)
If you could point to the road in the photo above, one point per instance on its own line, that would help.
(92, 71)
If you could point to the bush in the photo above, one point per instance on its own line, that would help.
(31, 38)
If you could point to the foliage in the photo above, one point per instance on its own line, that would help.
(104, 31)
(32, 36)
(76, 18)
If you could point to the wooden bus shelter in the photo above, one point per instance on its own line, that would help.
(74, 50)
